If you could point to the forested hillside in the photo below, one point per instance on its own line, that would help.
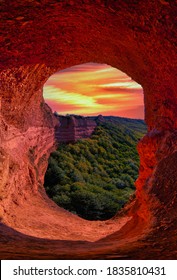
(95, 177)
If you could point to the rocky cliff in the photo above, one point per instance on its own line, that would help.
(72, 128)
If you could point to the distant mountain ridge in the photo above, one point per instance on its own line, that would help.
(71, 128)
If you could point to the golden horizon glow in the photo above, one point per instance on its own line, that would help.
(92, 89)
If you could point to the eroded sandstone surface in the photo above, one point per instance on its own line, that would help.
(71, 128)
(39, 38)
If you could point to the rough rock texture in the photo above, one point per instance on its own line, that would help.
(40, 37)
(72, 128)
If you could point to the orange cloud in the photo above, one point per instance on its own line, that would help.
(92, 89)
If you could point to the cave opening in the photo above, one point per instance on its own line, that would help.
(138, 37)
(99, 114)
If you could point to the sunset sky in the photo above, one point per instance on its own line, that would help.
(92, 89)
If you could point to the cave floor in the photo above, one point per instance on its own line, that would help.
(45, 231)
(161, 243)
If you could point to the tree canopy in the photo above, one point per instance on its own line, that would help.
(95, 177)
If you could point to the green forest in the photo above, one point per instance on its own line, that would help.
(95, 177)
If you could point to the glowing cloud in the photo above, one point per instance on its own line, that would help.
(92, 89)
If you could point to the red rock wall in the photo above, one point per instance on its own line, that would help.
(72, 128)
(40, 37)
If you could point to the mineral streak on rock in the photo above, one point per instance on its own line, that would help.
(39, 38)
